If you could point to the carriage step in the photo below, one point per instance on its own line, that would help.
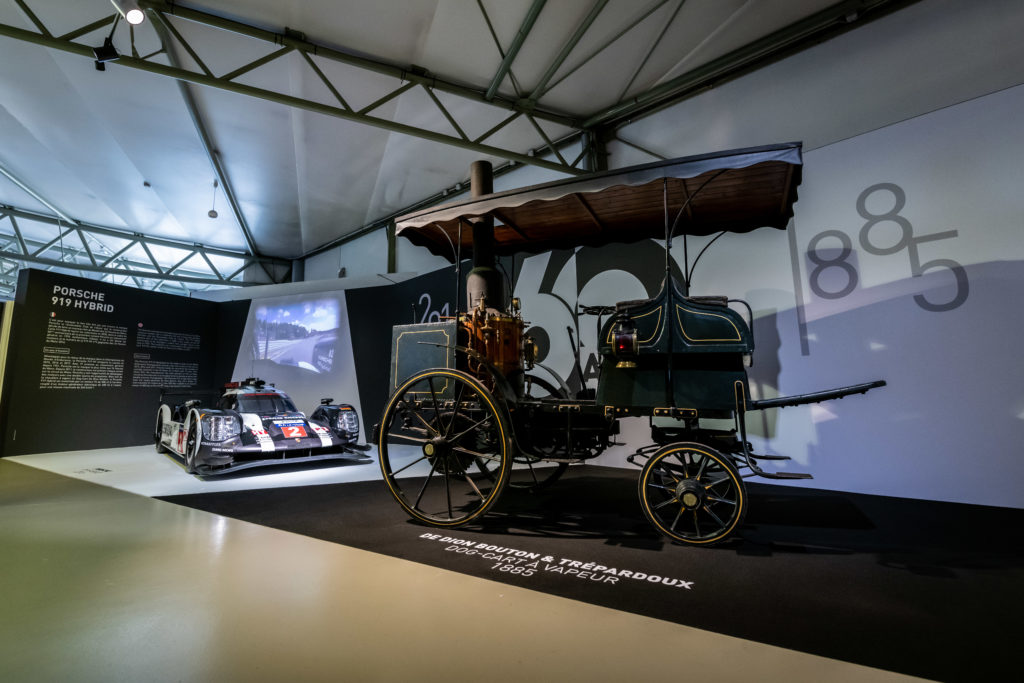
(785, 475)
(771, 457)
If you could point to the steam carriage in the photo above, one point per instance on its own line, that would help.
(469, 415)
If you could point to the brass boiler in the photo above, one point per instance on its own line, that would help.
(498, 338)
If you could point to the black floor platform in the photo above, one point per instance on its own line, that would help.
(923, 588)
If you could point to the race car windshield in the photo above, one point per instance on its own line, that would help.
(265, 403)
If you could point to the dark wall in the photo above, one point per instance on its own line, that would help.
(87, 360)
(374, 310)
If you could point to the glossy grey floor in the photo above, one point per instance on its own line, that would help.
(100, 584)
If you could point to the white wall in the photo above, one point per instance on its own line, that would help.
(925, 104)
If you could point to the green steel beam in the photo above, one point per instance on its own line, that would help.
(152, 241)
(298, 41)
(134, 269)
(71, 265)
(513, 49)
(567, 48)
(160, 25)
(539, 92)
(651, 49)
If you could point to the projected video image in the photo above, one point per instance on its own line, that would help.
(302, 334)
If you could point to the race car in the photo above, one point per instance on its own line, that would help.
(254, 424)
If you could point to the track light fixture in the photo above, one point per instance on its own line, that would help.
(107, 52)
(130, 10)
(212, 213)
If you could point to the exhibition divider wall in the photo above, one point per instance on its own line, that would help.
(87, 360)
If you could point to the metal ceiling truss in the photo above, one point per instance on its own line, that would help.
(79, 246)
(812, 30)
(590, 131)
(295, 41)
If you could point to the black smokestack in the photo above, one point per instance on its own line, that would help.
(483, 281)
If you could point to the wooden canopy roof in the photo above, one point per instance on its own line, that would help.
(737, 190)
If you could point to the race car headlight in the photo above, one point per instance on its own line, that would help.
(348, 423)
(220, 427)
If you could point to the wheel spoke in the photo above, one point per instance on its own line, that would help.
(717, 499)
(676, 520)
(433, 396)
(473, 484)
(448, 492)
(683, 459)
(426, 424)
(708, 510)
(467, 430)
(414, 439)
(483, 456)
(423, 488)
(402, 469)
(665, 502)
(455, 411)
(696, 524)
(715, 483)
(703, 466)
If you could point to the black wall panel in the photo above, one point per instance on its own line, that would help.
(87, 360)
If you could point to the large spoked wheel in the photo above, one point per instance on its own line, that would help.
(692, 494)
(436, 430)
(530, 473)
(192, 448)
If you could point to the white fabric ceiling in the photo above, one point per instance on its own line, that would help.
(117, 148)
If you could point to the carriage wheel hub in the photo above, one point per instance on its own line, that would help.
(438, 447)
(689, 494)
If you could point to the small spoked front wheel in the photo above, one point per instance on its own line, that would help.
(692, 494)
(444, 447)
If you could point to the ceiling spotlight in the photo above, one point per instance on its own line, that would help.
(130, 10)
(212, 213)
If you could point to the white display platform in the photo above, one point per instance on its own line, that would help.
(141, 470)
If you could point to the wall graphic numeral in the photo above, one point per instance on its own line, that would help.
(828, 259)
(432, 316)
(822, 264)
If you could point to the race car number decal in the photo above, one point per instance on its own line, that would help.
(293, 431)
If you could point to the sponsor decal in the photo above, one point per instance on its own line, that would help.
(266, 443)
(323, 433)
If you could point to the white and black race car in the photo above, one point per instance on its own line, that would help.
(254, 424)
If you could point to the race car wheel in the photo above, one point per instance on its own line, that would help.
(692, 494)
(160, 448)
(435, 429)
(192, 447)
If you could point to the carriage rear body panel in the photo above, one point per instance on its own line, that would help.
(418, 346)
